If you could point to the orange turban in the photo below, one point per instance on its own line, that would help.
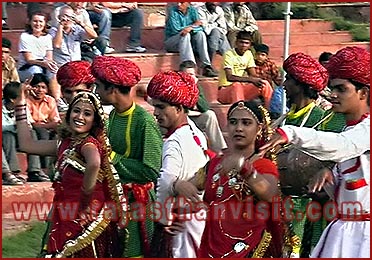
(118, 71)
(74, 73)
(177, 88)
(350, 63)
(306, 70)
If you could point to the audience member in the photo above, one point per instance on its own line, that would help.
(136, 147)
(44, 114)
(10, 164)
(233, 84)
(36, 49)
(184, 34)
(68, 35)
(128, 14)
(240, 18)
(101, 16)
(4, 16)
(214, 25)
(266, 68)
(324, 57)
(202, 115)
(9, 66)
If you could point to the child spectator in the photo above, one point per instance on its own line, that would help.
(265, 68)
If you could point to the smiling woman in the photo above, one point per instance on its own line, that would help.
(85, 179)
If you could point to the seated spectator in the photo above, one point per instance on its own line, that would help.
(9, 67)
(82, 16)
(4, 16)
(239, 17)
(128, 14)
(324, 57)
(44, 114)
(36, 49)
(234, 85)
(101, 16)
(10, 164)
(214, 25)
(68, 35)
(184, 34)
(205, 118)
(265, 68)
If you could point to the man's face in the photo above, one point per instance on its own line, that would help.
(5, 54)
(261, 57)
(166, 114)
(242, 45)
(344, 96)
(70, 93)
(66, 17)
(182, 6)
(291, 88)
(104, 94)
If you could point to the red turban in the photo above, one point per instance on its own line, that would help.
(306, 70)
(74, 73)
(177, 88)
(118, 71)
(350, 63)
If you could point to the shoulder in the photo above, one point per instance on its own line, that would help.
(90, 140)
(266, 166)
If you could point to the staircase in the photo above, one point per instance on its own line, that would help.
(311, 36)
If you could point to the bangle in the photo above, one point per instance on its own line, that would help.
(22, 117)
(20, 106)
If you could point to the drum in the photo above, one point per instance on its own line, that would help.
(296, 169)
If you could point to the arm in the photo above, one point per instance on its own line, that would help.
(275, 74)
(26, 142)
(57, 35)
(203, 16)
(250, 79)
(230, 19)
(325, 146)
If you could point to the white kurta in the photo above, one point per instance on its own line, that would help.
(351, 150)
(181, 159)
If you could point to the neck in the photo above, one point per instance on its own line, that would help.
(301, 102)
(177, 124)
(123, 103)
(37, 34)
(240, 53)
(357, 115)
(246, 151)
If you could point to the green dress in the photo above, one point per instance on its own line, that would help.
(137, 147)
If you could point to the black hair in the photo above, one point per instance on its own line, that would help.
(244, 35)
(6, 43)
(359, 86)
(262, 48)
(11, 90)
(187, 64)
(39, 77)
(325, 56)
(253, 105)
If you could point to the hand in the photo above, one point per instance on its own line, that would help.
(275, 140)
(258, 82)
(51, 65)
(26, 89)
(186, 30)
(187, 190)
(231, 161)
(176, 228)
(321, 178)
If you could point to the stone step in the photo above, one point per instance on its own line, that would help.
(296, 25)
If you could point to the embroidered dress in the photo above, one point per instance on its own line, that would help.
(68, 236)
(232, 226)
(136, 144)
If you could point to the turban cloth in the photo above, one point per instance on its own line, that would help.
(74, 73)
(306, 70)
(177, 88)
(118, 71)
(350, 63)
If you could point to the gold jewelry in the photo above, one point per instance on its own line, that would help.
(242, 106)
(84, 98)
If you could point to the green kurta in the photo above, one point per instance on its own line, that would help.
(137, 145)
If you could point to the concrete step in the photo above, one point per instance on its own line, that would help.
(296, 25)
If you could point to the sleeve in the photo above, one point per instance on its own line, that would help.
(265, 166)
(53, 32)
(275, 74)
(250, 59)
(202, 104)
(54, 115)
(173, 23)
(336, 147)
(251, 24)
(49, 42)
(86, 18)
(207, 27)
(195, 17)
(229, 17)
(228, 61)
(147, 169)
(221, 21)
(24, 44)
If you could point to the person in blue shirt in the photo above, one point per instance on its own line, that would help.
(184, 34)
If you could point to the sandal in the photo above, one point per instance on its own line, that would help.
(19, 177)
(10, 179)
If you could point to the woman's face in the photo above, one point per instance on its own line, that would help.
(81, 117)
(243, 128)
(38, 23)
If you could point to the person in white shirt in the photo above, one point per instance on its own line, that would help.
(349, 182)
(185, 151)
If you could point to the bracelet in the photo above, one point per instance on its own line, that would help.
(20, 106)
(21, 118)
